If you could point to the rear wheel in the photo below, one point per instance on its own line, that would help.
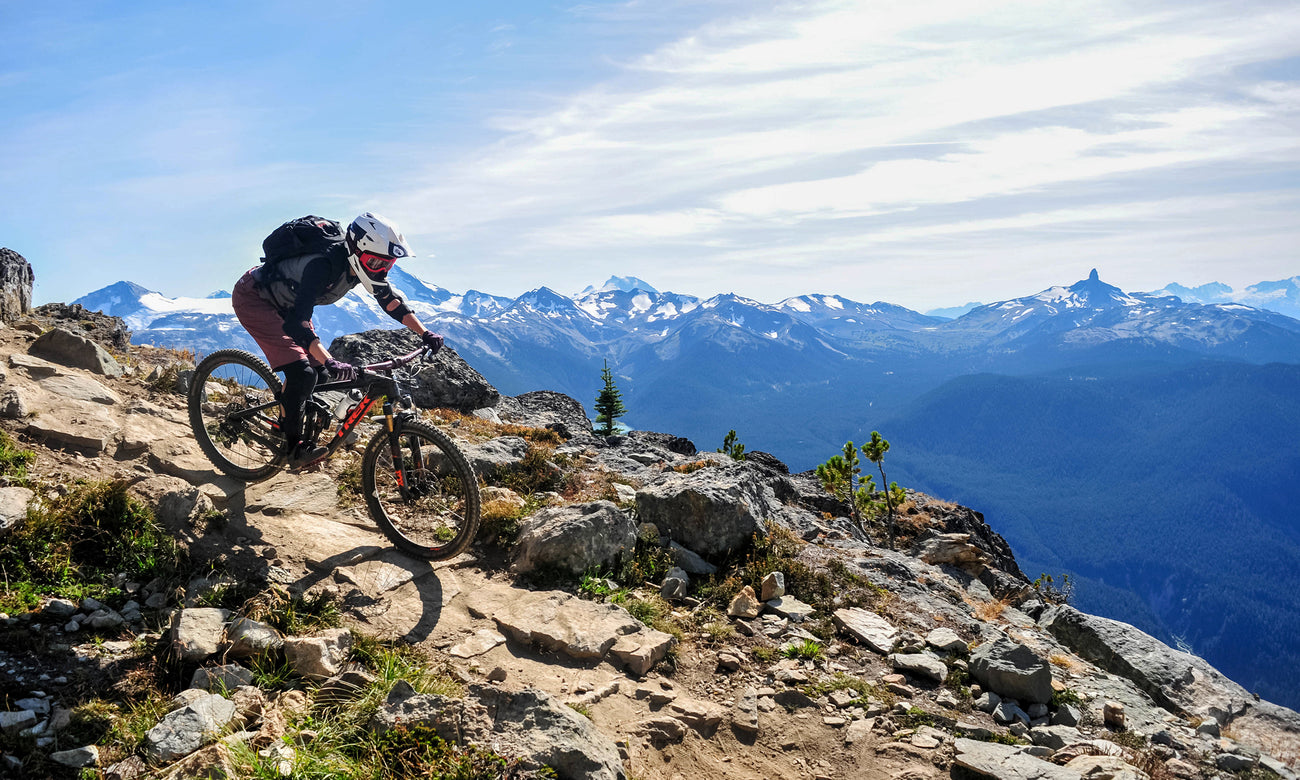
(427, 503)
(234, 405)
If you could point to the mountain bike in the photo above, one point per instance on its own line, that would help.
(419, 488)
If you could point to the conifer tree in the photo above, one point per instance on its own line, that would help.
(838, 476)
(732, 447)
(609, 403)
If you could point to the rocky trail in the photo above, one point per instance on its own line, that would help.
(844, 659)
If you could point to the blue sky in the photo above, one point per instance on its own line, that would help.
(926, 153)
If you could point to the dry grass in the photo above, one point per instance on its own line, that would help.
(911, 520)
(472, 427)
(687, 468)
(1065, 662)
(989, 611)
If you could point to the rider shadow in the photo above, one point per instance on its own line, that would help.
(375, 575)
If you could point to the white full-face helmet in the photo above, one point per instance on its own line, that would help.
(374, 244)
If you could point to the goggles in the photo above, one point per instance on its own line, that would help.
(376, 264)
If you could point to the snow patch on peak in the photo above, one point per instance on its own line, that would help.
(619, 284)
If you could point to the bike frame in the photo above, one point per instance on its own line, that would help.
(376, 380)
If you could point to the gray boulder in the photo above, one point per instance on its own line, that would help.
(1055, 737)
(955, 519)
(574, 538)
(954, 550)
(318, 657)
(1012, 670)
(868, 628)
(445, 382)
(675, 583)
(251, 639)
(530, 725)
(16, 279)
(13, 404)
(188, 728)
(1007, 762)
(920, 665)
(77, 757)
(689, 562)
(13, 507)
(495, 457)
(221, 678)
(11, 722)
(710, 511)
(69, 349)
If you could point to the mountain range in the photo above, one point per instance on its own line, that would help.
(1143, 443)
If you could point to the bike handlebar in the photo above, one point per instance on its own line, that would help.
(396, 362)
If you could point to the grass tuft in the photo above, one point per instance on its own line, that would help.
(14, 460)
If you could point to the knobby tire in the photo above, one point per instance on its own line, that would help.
(436, 516)
(225, 383)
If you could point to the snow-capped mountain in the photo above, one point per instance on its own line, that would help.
(138, 307)
(1091, 312)
(519, 334)
(1282, 296)
(848, 319)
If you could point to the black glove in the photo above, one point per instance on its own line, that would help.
(340, 371)
(431, 340)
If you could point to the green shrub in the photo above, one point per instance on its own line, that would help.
(1065, 696)
(1052, 591)
(649, 562)
(73, 546)
(293, 613)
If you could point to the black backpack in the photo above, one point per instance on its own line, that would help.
(307, 235)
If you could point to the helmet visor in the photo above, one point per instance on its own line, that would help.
(376, 264)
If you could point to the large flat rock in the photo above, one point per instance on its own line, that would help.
(79, 388)
(868, 628)
(564, 623)
(1007, 762)
(314, 494)
(77, 425)
(145, 424)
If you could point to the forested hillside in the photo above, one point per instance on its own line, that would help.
(1169, 494)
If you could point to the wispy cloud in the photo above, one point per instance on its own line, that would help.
(762, 132)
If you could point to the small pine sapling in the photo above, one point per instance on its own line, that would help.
(875, 451)
(731, 447)
(609, 403)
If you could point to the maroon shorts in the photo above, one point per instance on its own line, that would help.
(264, 324)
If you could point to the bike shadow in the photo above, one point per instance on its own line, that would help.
(399, 595)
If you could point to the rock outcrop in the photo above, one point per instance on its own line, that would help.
(16, 280)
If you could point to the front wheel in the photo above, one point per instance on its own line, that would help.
(234, 405)
(426, 500)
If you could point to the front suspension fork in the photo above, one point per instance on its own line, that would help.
(395, 448)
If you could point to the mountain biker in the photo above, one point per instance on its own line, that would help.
(274, 303)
